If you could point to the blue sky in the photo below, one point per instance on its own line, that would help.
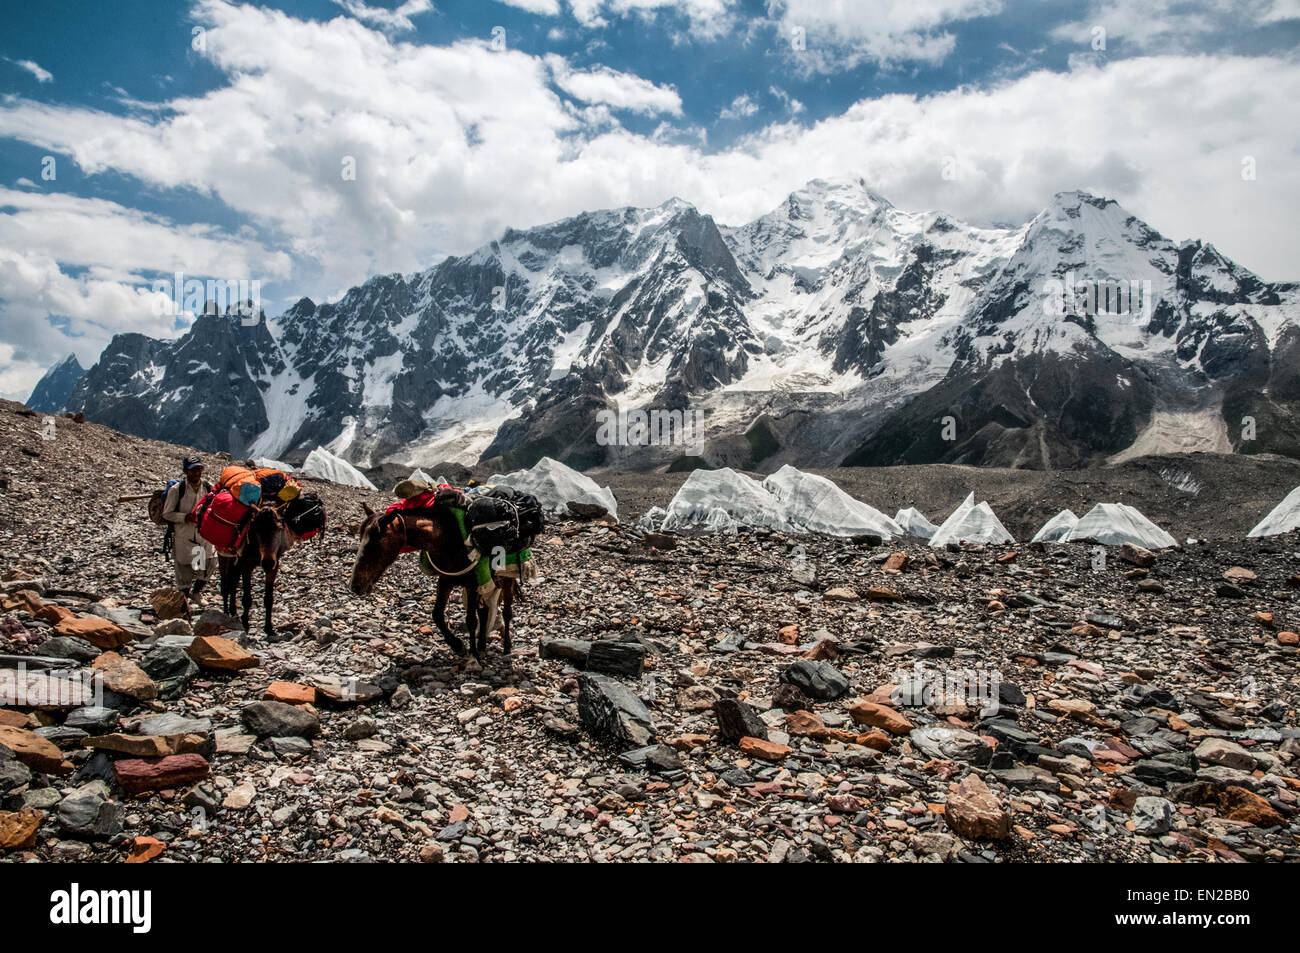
(132, 145)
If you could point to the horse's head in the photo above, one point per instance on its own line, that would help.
(267, 533)
(382, 538)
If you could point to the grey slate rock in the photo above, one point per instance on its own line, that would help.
(616, 658)
(277, 720)
(738, 720)
(611, 711)
(816, 679)
(92, 719)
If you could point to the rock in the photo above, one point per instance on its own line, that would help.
(880, 716)
(803, 723)
(1152, 816)
(144, 849)
(1240, 576)
(93, 629)
(975, 812)
(738, 720)
(1288, 638)
(659, 541)
(841, 594)
(233, 741)
(586, 511)
(93, 720)
(173, 627)
(18, 828)
(363, 727)
(951, 744)
(1226, 753)
(1238, 804)
(401, 698)
(169, 603)
(344, 691)
(213, 622)
(881, 594)
(788, 635)
(790, 698)
(767, 750)
(13, 773)
(290, 693)
(125, 677)
(816, 679)
(239, 797)
(654, 757)
(171, 668)
(616, 658)
(896, 563)
(696, 698)
(89, 813)
(566, 650)
(276, 720)
(138, 776)
(34, 751)
(223, 655)
(64, 646)
(290, 747)
(609, 710)
(1137, 556)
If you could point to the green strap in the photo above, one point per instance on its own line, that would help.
(483, 569)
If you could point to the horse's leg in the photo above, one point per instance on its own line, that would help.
(223, 581)
(440, 617)
(483, 613)
(270, 570)
(246, 574)
(507, 612)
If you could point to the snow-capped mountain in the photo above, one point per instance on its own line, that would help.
(835, 326)
(52, 391)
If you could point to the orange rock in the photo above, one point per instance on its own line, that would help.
(789, 635)
(874, 739)
(124, 677)
(53, 614)
(1288, 638)
(34, 751)
(976, 812)
(804, 723)
(459, 813)
(767, 750)
(879, 716)
(1007, 558)
(687, 742)
(18, 828)
(98, 632)
(145, 849)
(825, 650)
(896, 563)
(1239, 804)
(1265, 619)
(513, 703)
(226, 655)
(881, 594)
(291, 693)
(13, 719)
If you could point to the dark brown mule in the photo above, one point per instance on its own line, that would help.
(267, 541)
(434, 530)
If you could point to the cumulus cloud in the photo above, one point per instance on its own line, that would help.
(398, 20)
(709, 19)
(1172, 25)
(611, 87)
(546, 8)
(824, 36)
(741, 107)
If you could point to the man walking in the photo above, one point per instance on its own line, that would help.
(194, 555)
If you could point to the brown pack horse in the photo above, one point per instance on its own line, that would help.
(267, 541)
(435, 530)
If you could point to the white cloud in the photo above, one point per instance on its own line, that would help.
(545, 8)
(397, 20)
(823, 36)
(42, 75)
(1172, 26)
(619, 90)
(741, 107)
(709, 19)
(791, 104)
